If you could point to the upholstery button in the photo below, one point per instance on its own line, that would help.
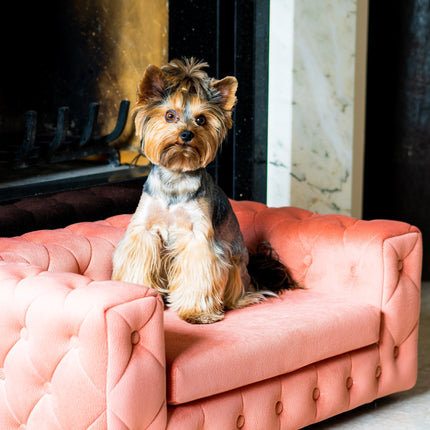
(396, 352)
(378, 372)
(400, 265)
(316, 393)
(307, 260)
(135, 337)
(22, 427)
(24, 333)
(279, 408)
(349, 383)
(74, 341)
(240, 421)
(47, 388)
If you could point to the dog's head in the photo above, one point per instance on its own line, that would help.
(182, 115)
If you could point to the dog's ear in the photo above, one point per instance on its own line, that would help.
(227, 90)
(152, 85)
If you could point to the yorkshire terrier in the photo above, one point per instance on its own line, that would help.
(184, 239)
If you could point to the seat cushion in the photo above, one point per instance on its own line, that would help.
(268, 339)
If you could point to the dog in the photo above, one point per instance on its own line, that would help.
(184, 238)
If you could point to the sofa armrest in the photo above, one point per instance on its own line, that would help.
(75, 353)
(377, 262)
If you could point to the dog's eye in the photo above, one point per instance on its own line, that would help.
(201, 120)
(171, 116)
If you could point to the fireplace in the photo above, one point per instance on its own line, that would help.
(65, 91)
(71, 77)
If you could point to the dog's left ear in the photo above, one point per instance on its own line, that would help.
(227, 89)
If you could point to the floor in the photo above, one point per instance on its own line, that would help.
(409, 410)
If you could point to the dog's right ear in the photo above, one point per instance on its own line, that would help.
(152, 85)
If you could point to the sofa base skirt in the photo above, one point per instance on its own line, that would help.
(294, 400)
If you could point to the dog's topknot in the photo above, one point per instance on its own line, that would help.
(187, 74)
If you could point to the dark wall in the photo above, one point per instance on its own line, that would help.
(397, 158)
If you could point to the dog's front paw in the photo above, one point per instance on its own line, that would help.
(201, 318)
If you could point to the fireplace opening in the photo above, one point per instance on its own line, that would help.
(65, 92)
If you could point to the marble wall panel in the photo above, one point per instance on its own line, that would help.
(319, 139)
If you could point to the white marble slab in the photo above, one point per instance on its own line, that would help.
(280, 102)
(312, 104)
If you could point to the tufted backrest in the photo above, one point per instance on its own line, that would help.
(326, 252)
(84, 248)
(336, 253)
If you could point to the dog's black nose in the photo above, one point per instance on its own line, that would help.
(187, 135)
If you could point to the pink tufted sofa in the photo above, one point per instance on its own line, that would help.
(78, 351)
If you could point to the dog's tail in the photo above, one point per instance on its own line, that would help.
(267, 272)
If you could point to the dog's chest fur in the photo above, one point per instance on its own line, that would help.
(173, 187)
(174, 203)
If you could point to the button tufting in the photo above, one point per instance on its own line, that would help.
(400, 265)
(135, 337)
(316, 393)
(24, 333)
(307, 260)
(22, 427)
(378, 372)
(74, 342)
(240, 421)
(396, 352)
(349, 383)
(47, 388)
(279, 408)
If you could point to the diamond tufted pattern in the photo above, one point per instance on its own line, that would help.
(78, 351)
(67, 355)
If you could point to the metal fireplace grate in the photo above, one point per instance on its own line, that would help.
(45, 163)
(62, 145)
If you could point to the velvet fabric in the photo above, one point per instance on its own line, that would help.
(259, 342)
(78, 351)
